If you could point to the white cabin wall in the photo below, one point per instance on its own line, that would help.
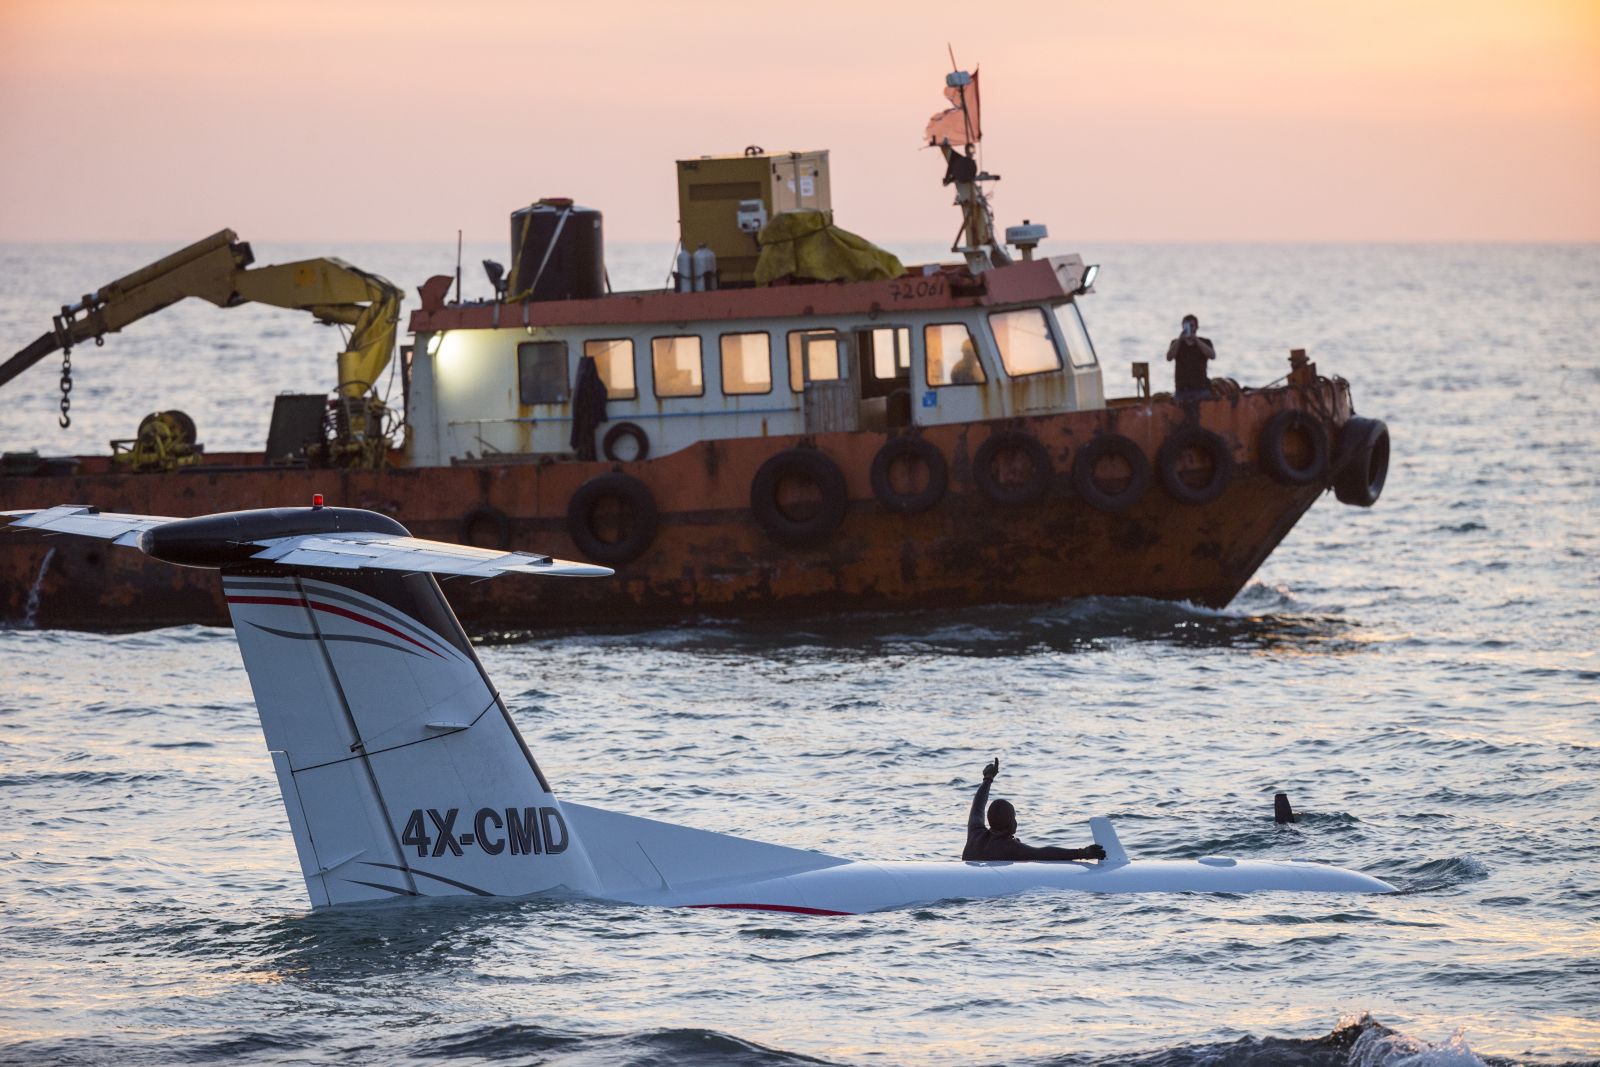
(465, 399)
(422, 423)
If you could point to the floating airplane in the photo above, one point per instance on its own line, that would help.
(404, 775)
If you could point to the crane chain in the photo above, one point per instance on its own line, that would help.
(66, 388)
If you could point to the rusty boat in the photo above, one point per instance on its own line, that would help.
(798, 424)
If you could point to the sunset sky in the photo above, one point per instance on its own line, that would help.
(1236, 120)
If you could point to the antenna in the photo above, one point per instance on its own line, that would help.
(458, 266)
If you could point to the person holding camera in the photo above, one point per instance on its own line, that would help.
(1191, 352)
(998, 840)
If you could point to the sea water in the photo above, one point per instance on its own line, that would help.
(1421, 677)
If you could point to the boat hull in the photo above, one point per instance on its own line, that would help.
(711, 557)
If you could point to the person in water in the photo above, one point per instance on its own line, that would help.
(1191, 352)
(998, 840)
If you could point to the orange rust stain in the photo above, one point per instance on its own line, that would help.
(710, 556)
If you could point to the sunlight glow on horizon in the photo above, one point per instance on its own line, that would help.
(1240, 120)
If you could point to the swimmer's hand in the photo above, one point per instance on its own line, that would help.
(1095, 852)
(991, 769)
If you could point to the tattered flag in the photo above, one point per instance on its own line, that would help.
(959, 124)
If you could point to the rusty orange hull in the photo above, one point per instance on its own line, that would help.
(710, 557)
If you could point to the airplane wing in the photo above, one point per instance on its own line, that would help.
(87, 522)
(391, 552)
(342, 549)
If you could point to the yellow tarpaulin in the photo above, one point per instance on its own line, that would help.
(806, 244)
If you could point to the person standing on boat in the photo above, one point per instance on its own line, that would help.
(1191, 352)
(998, 840)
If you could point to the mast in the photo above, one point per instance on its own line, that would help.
(957, 132)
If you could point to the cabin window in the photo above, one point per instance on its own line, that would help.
(1079, 348)
(1024, 340)
(675, 362)
(823, 348)
(950, 356)
(746, 363)
(891, 352)
(542, 372)
(614, 360)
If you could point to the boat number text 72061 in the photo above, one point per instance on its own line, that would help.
(913, 288)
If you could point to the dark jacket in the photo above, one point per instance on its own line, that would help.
(1191, 358)
(984, 844)
(588, 408)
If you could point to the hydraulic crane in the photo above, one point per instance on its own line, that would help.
(218, 269)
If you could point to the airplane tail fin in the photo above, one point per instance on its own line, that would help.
(401, 769)
(400, 766)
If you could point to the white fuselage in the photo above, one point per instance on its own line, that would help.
(861, 886)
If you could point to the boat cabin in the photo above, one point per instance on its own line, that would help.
(939, 345)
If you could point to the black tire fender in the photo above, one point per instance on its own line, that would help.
(608, 444)
(1027, 491)
(1362, 468)
(909, 448)
(1275, 459)
(637, 501)
(1089, 456)
(1171, 454)
(485, 526)
(804, 464)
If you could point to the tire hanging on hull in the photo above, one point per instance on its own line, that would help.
(918, 450)
(805, 465)
(1030, 488)
(1274, 452)
(485, 526)
(1363, 465)
(1084, 474)
(1170, 458)
(639, 519)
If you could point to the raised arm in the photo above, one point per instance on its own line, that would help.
(981, 797)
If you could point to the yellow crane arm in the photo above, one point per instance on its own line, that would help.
(333, 291)
(218, 269)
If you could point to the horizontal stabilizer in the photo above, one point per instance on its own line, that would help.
(639, 859)
(389, 552)
(85, 521)
(316, 537)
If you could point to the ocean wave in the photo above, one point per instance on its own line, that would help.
(665, 1045)
(1358, 1041)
